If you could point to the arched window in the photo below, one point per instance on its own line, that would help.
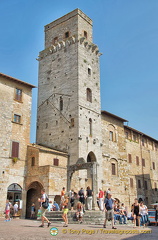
(90, 127)
(61, 103)
(114, 167)
(91, 157)
(112, 133)
(89, 95)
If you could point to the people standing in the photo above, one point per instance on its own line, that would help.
(156, 214)
(109, 210)
(101, 199)
(33, 211)
(89, 196)
(43, 210)
(136, 212)
(7, 211)
(82, 197)
(62, 197)
(65, 210)
(72, 199)
(79, 213)
(144, 214)
(15, 208)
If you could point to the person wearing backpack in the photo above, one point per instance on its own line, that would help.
(44, 205)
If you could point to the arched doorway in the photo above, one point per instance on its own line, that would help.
(33, 193)
(14, 193)
(88, 176)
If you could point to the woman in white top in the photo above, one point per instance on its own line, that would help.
(144, 214)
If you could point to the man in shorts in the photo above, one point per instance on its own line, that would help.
(43, 210)
(109, 210)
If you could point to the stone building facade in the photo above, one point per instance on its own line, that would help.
(46, 168)
(15, 116)
(130, 161)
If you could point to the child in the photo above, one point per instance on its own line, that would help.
(79, 213)
(33, 211)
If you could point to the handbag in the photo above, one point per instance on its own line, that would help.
(46, 203)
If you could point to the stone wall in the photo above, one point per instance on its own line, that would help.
(13, 172)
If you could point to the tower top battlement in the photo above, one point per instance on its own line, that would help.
(75, 23)
(67, 17)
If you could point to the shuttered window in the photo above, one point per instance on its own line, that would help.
(131, 182)
(137, 160)
(129, 158)
(113, 169)
(143, 162)
(15, 149)
(56, 162)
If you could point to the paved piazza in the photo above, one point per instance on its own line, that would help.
(21, 229)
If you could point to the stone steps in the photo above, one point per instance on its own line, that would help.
(89, 217)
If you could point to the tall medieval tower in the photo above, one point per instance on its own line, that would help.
(69, 114)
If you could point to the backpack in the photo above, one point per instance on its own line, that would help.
(46, 203)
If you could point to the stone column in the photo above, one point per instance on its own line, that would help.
(69, 176)
(94, 185)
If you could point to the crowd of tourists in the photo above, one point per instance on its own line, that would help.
(115, 211)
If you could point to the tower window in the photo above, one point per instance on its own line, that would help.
(85, 34)
(67, 34)
(111, 136)
(153, 165)
(90, 127)
(72, 122)
(113, 168)
(61, 103)
(33, 161)
(89, 71)
(55, 40)
(89, 95)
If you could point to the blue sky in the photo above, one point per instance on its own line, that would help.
(126, 32)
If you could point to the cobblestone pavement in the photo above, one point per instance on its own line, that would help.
(21, 229)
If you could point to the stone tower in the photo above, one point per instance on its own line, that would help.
(69, 114)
